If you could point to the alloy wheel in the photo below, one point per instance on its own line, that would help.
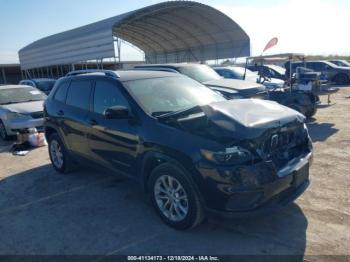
(56, 154)
(171, 198)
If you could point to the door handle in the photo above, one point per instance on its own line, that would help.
(92, 122)
(60, 113)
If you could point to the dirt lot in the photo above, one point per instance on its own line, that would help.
(42, 212)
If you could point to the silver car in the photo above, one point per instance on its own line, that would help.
(21, 107)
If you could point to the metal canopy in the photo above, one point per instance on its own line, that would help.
(175, 31)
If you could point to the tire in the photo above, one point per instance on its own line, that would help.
(184, 203)
(3, 132)
(311, 112)
(65, 165)
(341, 79)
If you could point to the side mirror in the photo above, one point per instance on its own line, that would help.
(117, 112)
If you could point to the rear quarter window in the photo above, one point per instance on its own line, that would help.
(61, 92)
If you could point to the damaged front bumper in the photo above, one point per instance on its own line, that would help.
(256, 189)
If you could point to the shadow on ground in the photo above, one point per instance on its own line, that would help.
(321, 131)
(42, 212)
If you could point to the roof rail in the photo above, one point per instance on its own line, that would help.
(164, 69)
(91, 71)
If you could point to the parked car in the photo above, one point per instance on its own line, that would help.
(193, 151)
(240, 73)
(331, 72)
(304, 103)
(271, 71)
(340, 63)
(230, 88)
(43, 84)
(21, 107)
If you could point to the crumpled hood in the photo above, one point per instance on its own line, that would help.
(253, 113)
(239, 119)
(245, 88)
(25, 108)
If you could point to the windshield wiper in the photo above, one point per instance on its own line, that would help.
(7, 103)
(179, 112)
(30, 100)
(18, 102)
(161, 113)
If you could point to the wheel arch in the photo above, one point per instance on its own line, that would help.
(152, 159)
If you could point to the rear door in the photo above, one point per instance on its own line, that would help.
(112, 142)
(74, 116)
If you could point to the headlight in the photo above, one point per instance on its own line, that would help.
(233, 155)
(14, 115)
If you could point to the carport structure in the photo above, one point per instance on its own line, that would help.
(175, 31)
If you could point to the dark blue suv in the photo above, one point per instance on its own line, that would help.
(194, 152)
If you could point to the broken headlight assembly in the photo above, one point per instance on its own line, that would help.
(231, 156)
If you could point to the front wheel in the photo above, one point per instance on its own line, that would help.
(174, 197)
(341, 79)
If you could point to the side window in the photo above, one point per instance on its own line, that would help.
(318, 67)
(107, 94)
(61, 92)
(79, 94)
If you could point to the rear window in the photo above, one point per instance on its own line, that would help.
(79, 94)
(45, 85)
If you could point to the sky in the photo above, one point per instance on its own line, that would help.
(307, 26)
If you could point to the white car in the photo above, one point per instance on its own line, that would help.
(235, 72)
(21, 107)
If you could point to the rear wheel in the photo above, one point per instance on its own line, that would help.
(174, 197)
(341, 79)
(311, 112)
(3, 132)
(58, 154)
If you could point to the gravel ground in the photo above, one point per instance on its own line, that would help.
(87, 212)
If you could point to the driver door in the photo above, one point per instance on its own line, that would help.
(112, 142)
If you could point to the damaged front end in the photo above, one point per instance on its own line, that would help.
(265, 156)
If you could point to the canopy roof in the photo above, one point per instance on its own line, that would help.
(175, 31)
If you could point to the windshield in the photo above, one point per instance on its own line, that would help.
(20, 95)
(45, 85)
(240, 71)
(340, 63)
(201, 73)
(159, 96)
(278, 69)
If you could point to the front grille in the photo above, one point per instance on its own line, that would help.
(283, 140)
(37, 115)
(283, 146)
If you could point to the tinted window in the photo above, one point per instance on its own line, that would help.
(316, 66)
(79, 94)
(226, 73)
(61, 92)
(45, 85)
(106, 95)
